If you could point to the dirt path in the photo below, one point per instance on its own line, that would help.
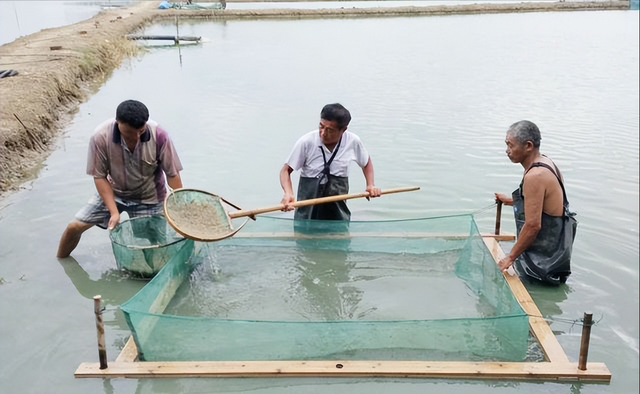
(59, 68)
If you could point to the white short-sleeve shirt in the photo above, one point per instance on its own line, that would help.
(306, 155)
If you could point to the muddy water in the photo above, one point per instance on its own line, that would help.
(430, 97)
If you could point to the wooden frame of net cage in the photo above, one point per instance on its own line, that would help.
(556, 367)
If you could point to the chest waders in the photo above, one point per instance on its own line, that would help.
(324, 185)
(548, 258)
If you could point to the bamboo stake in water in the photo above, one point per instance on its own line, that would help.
(102, 348)
(584, 342)
(178, 41)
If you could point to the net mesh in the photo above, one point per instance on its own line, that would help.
(144, 244)
(423, 289)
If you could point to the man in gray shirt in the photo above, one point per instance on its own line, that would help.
(131, 159)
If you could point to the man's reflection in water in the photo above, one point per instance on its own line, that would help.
(548, 298)
(114, 286)
(326, 270)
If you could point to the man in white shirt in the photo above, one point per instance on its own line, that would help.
(323, 158)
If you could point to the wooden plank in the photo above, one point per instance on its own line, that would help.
(420, 369)
(159, 304)
(165, 295)
(162, 300)
(169, 289)
(538, 325)
(129, 352)
(500, 237)
(348, 235)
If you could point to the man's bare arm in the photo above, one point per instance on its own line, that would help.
(108, 198)
(367, 170)
(175, 182)
(287, 187)
(503, 198)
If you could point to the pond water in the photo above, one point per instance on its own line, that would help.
(21, 18)
(360, 4)
(431, 97)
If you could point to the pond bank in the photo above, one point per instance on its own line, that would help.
(58, 68)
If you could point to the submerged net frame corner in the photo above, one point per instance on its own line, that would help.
(555, 367)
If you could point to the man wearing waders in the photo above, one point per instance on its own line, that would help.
(545, 226)
(323, 158)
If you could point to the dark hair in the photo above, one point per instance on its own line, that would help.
(336, 112)
(524, 131)
(133, 113)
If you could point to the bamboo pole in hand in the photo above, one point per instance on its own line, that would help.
(315, 201)
(498, 217)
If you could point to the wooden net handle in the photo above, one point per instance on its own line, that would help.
(314, 201)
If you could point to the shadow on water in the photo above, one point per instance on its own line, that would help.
(548, 298)
(115, 286)
(306, 384)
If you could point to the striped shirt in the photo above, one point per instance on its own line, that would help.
(137, 176)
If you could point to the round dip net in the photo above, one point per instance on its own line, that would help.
(199, 215)
(144, 244)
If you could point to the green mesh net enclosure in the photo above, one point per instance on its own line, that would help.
(422, 289)
(144, 244)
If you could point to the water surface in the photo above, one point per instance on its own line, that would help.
(431, 97)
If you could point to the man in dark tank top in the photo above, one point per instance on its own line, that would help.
(545, 226)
